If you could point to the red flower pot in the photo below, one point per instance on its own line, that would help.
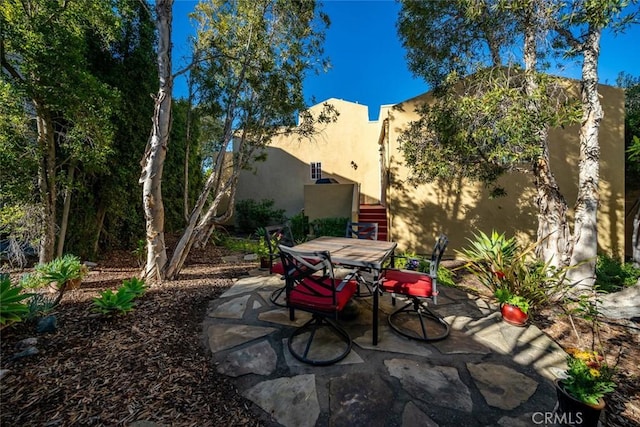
(513, 315)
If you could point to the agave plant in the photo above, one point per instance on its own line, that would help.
(12, 309)
(110, 302)
(134, 286)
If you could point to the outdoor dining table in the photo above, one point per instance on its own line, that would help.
(359, 253)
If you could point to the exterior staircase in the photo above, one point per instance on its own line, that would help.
(375, 213)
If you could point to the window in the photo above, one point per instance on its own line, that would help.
(316, 170)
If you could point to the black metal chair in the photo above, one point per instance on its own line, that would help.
(419, 288)
(277, 235)
(311, 286)
(362, 230)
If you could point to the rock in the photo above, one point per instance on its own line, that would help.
(25, 343)
(47, 324)
(28, 352)
(90, 264)
(622, 305)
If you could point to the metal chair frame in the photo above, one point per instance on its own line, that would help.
(418, 304)
(309, 275)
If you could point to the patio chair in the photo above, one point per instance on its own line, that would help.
(312, 287)
(362, 230)
(419, 288)
(277, 235)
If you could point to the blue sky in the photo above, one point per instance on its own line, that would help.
(368, 61)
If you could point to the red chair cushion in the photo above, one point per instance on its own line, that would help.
(277, 268)
(313, 296)
(407, 283)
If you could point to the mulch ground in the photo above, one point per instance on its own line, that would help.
(151, 364)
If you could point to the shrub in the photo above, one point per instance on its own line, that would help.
(299, 227)
(62, 270)
(330, 226)
(612, 276)
(135, 286)
(39, 305)
(251, 215)
(110, 303)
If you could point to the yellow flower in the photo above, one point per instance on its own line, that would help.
(594, 373)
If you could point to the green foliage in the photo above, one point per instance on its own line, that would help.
(299, 226)
(62, 270)
(504, 296)
(485, 128)
(39, 305)
(589, 376)
(140, 252)
(33, 280)
(134, 286)
(111, 303)
(612, 276)
(499, 263)
(329, 226)
(251, 214)
(488, 254)
(445, 276)
(12, 309)
(121, 301)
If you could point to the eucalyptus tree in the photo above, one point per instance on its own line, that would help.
(494, 116)
(156, 151)
(251, 59)
(580, 25)
(493, 109)
(42, 53)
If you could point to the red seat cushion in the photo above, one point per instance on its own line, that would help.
(315, 297)
(407, 283)
(277, 268)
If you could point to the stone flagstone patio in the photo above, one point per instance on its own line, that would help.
(486, 373)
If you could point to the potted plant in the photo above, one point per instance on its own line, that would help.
(581, 390)
(510, 271)
(514, 308)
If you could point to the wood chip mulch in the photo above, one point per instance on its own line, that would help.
(147, 365)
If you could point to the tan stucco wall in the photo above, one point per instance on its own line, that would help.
(458, 208)
(352, 138)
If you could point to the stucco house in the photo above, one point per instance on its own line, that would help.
(363, 157)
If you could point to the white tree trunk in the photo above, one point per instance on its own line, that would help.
(553, 230)
(153, 161)
(585, 243)
(635, 237)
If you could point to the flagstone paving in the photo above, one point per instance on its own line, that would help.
(486, 373)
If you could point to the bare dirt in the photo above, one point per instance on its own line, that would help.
(151, 364)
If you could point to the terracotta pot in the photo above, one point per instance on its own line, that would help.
(513, 315)
(575, 412)
(264, 262)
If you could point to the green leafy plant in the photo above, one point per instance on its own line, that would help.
(487, 255)
(612, 275)
(499, 263)
(135, 286)
(12, 307)
(140, 252)
(39, 305)
(299, 227)
(33, 280)
(251, 214)
(506, 297)
(329, 226)
(111, 303)
(62, 270)
(588, 376)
